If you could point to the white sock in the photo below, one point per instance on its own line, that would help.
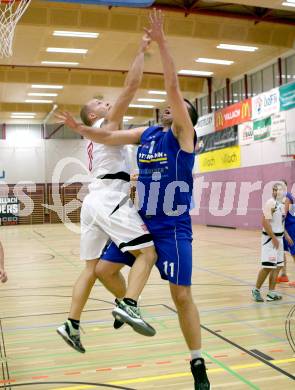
(196, 354)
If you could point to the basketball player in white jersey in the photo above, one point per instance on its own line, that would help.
(108, 213)
(272, 251)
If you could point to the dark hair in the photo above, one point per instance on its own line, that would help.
(192, 112)
(84, 115)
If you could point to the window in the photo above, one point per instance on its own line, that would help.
(220, 99)
(268, 78)
(256, 83)
(290, 69)
(203, 105)
(237, 91)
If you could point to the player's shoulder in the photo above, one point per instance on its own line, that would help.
(271, 203)
(150, 132)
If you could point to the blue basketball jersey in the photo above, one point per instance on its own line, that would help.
(165, 182)
(290, 217)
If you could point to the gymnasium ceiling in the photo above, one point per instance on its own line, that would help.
(194, 29)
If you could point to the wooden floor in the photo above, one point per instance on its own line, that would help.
(244, 343)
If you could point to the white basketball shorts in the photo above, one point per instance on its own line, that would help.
(109, 214)
(271, 257)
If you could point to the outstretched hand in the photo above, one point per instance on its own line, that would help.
(156, 32)
(145, 42)
(67, 119)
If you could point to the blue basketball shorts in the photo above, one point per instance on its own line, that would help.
(288, 248)
(173, 242)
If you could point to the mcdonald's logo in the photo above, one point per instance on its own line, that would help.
(246, 110)
(219, 120)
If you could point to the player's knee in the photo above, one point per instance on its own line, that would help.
(102, 272)
(181, 296)
(150, 254)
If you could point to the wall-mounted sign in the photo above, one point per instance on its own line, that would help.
(233, 115)
(266, 104)
(9, 210)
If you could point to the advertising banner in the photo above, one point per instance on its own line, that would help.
(205, 125)
(287, 97)
(221, 159)
(9, 209)
(278, 125)
(233, 115)
(261, 129)
(217, 140)
(246, 135)
(266, 104)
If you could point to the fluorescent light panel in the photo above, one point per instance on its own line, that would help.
(38, 101)
(195, 72)
(225, 46)
(140, 106)
(22, 117)
(288, 4)
(128, 117)
(214, 61)
(75, 34)
(66, 50)
(60, 63)
(42, 94)
(157, 92)
(23, 113)
(45, 86)
(151, 100)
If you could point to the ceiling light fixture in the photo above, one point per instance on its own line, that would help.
(66, 50)
(214, 61)
(189, 72)
(289, 4)
(23, 113)
(157, 92)
(38, 101)
(151, 100)
(45, 86)
(75, 34)
(22, 117)
(42, 94)
(60, 63)
(225, 46)
(140, 106)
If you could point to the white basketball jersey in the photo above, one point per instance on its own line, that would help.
(105, 159)
(278, 215)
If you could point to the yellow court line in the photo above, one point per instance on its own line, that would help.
(183, 374)
(176, 375)
(80, 387)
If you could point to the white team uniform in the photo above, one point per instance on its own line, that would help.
(107, 212)
(271, 257)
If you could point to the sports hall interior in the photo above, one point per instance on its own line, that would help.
(248, 96)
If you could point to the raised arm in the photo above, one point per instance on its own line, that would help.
(131, 85)
(104, 135)
(182, 124)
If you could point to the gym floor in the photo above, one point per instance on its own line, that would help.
(244, 342)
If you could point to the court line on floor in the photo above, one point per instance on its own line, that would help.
(188, 374)
(82, 385)
(289, 375)
(235, 279)
(3, 355)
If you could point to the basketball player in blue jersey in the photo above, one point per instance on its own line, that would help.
(289, 237)
(165, 159)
